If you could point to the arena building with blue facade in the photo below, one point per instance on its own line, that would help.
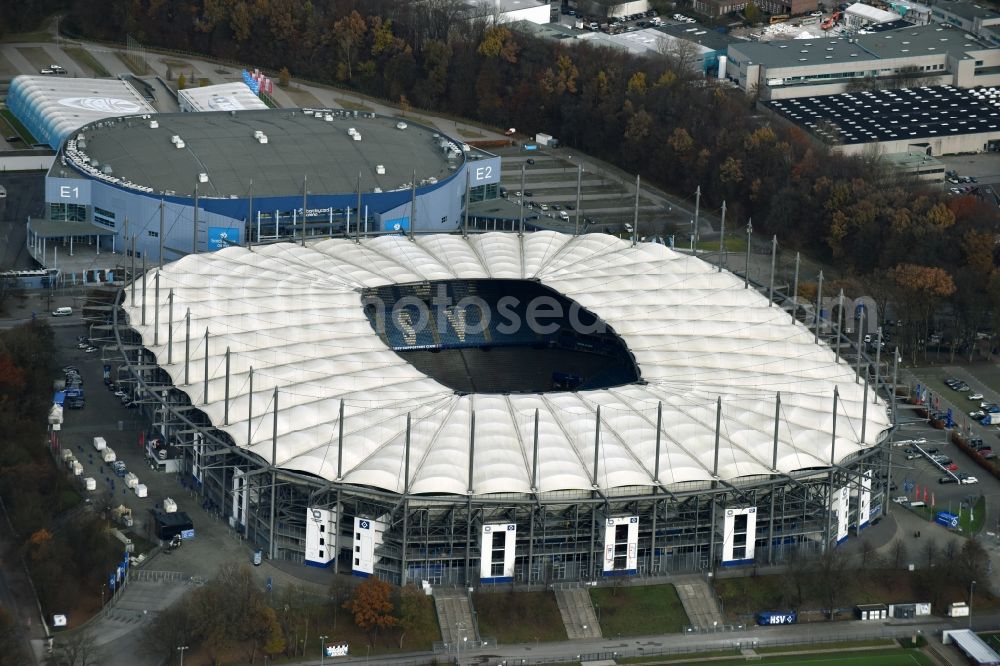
(183, 182)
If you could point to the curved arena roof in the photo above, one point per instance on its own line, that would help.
(54, 107)
(299, 143)
(294, 314)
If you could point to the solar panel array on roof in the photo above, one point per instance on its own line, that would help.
(891, 115)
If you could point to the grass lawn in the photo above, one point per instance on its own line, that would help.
(669, 658)
(135, 64)
(537, 615)
(969, 524)
(303, 98)
(639, 611)
(352, 105)
(830, 646)
(735, 242)
(993, 640)
(896, 657)
(6, 68)
(37, 36)
(17, 128)
(88, 62)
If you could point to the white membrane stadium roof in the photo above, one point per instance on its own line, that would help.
(294, 314)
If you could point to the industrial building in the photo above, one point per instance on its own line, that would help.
(928, 55)
(941, 120)
(165, 185)
(385, 406)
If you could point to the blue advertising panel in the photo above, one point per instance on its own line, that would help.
(767, 618)
(484, 172)
(220, 237)
(187, 534)
(67, 190)
(396, 224)
(946, 519)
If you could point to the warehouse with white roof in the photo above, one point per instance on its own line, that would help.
(222, 97)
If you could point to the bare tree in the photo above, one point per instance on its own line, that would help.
(930, 552)
(77, 649)
(898, 553)
(484, 14)
(831, 580)
(682, 56)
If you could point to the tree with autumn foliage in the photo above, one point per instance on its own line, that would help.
(371, 605)
(919, 290)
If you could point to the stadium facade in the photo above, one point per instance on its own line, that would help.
(388, 406)
(167, 185)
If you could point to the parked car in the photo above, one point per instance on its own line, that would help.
(901, 499)
(975, 396)
(977, 415)
(932, 451)
(531, 161)
(947, 479)
(969, 479)
(951, 467)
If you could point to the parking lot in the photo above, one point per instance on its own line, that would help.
(912, 467)
(104, 415)
(606, 205)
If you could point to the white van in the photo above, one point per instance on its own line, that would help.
(564, 216)
(62, 312)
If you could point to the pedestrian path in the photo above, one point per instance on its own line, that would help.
(698, 601)
(454, 612)
(577, 611)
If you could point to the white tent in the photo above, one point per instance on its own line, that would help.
(294, 315)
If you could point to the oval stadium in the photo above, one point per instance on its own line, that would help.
(500, 407)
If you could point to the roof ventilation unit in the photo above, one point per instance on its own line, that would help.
(380, 169)
(357, 136)
(202, 177)
(262, 139)
(257, 134)
(328, 118)
(153, 124)
(107, 170)
(179, 144)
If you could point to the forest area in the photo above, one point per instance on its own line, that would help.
(899, 241)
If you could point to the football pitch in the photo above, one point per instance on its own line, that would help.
(893, 657)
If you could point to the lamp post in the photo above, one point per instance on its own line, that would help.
(746, 276)
(972, 588)
(322, 649)
(103, 585)
(182, 649)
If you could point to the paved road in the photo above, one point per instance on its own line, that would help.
(24, 198)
